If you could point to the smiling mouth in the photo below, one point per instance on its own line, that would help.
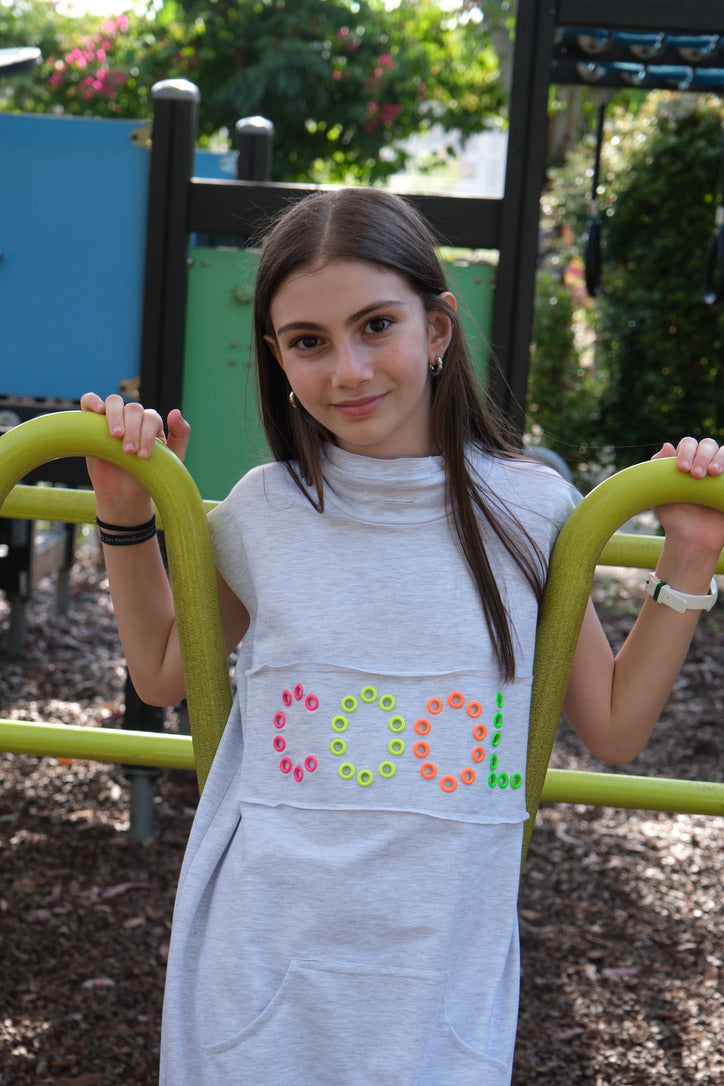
(359, 408)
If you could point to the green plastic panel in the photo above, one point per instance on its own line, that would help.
(218, 392)
(219, 395)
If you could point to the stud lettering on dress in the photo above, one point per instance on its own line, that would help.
(283, 723)
(368, 715)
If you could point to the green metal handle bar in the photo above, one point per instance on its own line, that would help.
(191, 568)
(176, 752)
(633, 793)
(117, 746)
(637, 551)
(568, 586)
(78, 507)
(59, 503)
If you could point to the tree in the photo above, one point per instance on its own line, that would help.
(656, 346)
(345, 82)
(661, 345)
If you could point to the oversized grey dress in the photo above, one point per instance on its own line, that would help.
(346, 914)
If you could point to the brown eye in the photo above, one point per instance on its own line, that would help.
(305, 343)
(376, 325)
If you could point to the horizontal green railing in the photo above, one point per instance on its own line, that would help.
(176, 752)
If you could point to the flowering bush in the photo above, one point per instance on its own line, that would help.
(344, 82)
(88, 71)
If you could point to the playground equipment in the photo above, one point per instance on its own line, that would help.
(677, 45)
(582, 544)
(177, 204)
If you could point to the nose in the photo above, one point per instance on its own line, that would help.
(351, 366)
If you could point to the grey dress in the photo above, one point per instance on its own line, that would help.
(346, 914)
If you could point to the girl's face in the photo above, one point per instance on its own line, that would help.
(355, 343)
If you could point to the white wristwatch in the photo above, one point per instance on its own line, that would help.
(662, 592)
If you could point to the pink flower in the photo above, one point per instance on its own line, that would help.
(390, 113)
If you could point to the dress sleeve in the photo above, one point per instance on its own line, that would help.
(228, 540)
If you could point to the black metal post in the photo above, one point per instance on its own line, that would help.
(175, 113)
(255, 142)
(173, 139)
(525, 174)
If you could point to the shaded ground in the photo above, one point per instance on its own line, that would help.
(621, 915)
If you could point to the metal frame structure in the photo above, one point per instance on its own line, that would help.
(540, 24)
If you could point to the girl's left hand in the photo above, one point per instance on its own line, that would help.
(699, 525)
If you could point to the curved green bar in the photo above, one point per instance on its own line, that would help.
(191, 568)
(570, 575)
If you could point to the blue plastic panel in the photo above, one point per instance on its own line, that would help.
(73, 194)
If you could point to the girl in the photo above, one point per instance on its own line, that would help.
(346, 914)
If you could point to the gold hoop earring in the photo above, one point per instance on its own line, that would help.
(436, 366)
(294, 402)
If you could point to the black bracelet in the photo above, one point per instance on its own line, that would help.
(126, 537)
(127, 527)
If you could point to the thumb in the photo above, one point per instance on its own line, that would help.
(178, 431)
(667, 449)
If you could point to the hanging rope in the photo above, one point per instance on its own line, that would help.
(593, 237)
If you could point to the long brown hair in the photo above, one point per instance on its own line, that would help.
(372, 225)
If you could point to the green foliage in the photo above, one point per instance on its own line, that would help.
(562, 389)
(92, 65)
(661, 344)
(657, 347)
(343, 81)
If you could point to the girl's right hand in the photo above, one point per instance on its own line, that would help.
(120, 498)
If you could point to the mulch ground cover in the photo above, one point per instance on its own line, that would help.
(621, 914)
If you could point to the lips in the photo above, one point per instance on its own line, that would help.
(359, 408)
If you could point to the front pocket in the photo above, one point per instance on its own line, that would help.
(332, 1025)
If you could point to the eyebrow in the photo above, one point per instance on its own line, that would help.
(310, 326)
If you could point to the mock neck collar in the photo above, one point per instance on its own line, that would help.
(409, 489)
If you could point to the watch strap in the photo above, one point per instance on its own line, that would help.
(662, 592)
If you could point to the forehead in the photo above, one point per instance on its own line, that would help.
(339, 285)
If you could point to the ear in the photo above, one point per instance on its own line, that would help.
(274, 348)
(440, 325)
